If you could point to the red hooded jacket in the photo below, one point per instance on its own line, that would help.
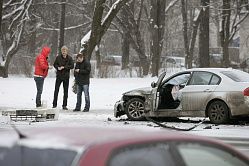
(41, 63)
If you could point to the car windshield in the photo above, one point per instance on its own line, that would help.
(236, 75)
(26, 156)
(180, 79)
(150, 155)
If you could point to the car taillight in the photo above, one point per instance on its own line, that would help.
(246, 92)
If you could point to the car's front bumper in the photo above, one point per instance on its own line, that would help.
(119, 109)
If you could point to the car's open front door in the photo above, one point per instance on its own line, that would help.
(155, 93)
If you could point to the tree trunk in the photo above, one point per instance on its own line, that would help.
(1, 8)
(157, 33)
(225, 32)
(55, 42)
(185, 33)
(125, 39)
(125, 51)
(32, 47)
(62, 26)
(193, 38)
(204, 35)
(97, 52)
(2, 68)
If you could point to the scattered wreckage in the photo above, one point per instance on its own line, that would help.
(35, 115)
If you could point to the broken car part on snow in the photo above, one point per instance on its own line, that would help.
(172, 127)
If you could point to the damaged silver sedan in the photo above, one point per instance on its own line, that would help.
(218, 93)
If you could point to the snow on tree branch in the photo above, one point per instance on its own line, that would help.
(86, 38)
(20, 18)
(99, 27)
(171, 4)
(12, 13)
(235, 27)
(68, 28)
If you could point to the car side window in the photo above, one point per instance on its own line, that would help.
(204, 78)
(207, 155)
(215, 80)
(146, 155)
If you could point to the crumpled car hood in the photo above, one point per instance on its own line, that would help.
(139, 91)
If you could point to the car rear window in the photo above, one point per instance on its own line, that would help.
(25, 156)
(236, 75)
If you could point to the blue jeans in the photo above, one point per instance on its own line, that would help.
(39, 86)
(84, 88)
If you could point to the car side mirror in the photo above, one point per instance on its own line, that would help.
(153, 84)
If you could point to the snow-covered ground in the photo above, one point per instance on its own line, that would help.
(19, 93)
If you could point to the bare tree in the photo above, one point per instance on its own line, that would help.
(62, 25)
(1, 8)
(17, 19)
(134, 35)
(125, 37)
(189, 36)
(204, 35)
(157, 26)
(230, 21)
(99, 26)
(185, 31)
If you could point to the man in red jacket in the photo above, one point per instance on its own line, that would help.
(41, 71)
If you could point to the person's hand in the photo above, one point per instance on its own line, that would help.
(77, 70)
(60, 68)
(50, 67)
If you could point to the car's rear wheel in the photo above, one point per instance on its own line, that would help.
(134, 109)
(218, 112)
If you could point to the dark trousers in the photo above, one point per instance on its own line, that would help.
(57, 88)
(39, 86)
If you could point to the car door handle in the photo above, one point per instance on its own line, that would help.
(207, 90)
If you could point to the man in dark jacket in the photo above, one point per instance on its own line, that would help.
(63, 63)
(82, 78)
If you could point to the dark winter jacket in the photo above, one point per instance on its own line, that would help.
(83, 76)
(41, 63)
(67, 63)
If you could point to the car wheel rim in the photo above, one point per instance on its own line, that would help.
(136, 109)
(217, 112)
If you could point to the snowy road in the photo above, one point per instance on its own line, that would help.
(19, 93)
(235, 135)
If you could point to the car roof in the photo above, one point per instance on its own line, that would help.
(215, 70)
(173, 57)
(98, 142)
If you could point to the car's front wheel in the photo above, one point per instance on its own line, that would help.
(218, 112)
(134, 109)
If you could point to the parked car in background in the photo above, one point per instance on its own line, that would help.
(172, 62)
(103, 146)
(113, 60)
(218, 93)
(216, 60)
(135, 61)
(245, 65)
(74, 57)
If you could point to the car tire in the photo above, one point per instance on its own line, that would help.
(134, 109)
(218, 112)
